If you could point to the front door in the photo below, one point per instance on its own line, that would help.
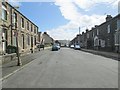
(31, 41)
(4, 38)
(23, 46)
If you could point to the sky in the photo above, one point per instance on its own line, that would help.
(61, 19)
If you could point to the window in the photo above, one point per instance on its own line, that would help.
(23, 43)
(96, 41)
(27, 25)
(14, 40)
(97, 32)
(37, 30)
(116, 39)
(118, 24)
(108, 28)
(28, 39)
(35, 40)
(93, 34)
(34, 29)
(31, 28)
(4, 12)
(87, 35)
(14, 37)
(22, 22)
(14, 19)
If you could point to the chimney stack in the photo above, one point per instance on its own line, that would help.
(96, 26)
(109, 17)
(45, 32)
(82, 32)
(86, 30)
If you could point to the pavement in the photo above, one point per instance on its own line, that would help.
(113, 55)
(66, 68)
(11, 67)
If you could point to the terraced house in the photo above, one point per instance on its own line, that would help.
(47, 40)
(14, 24)
(105, 36)
(117, 35)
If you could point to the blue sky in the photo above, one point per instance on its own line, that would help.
(45, 15)
(61, 19)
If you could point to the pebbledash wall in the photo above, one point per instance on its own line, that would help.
(27, 30)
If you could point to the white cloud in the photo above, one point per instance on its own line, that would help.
(70, 11)
(87, 4)
(84, 4)
(14, 3)
(115, 4)
(70, 30)
(67, 31)
(76, 20)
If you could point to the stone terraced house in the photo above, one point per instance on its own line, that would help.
(14, 24)
(105, 37)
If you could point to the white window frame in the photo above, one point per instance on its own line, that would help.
(108, 29)
(4, 9)
(97, 31)
(22, 22)
(35, 29)
(27, 25)
(31, 27)
(93, 34)
(14, 20)
(87, 35)
(28, 39)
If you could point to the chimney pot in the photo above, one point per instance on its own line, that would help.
(109, 17)
(82, 32)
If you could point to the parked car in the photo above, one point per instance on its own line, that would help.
(55, 48)
(67, 45)
(58, 46)
(77, 47)
(40, 46)
(71, 46)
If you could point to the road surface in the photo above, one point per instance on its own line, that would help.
(66, 68)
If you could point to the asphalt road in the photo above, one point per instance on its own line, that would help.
(66, 68)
